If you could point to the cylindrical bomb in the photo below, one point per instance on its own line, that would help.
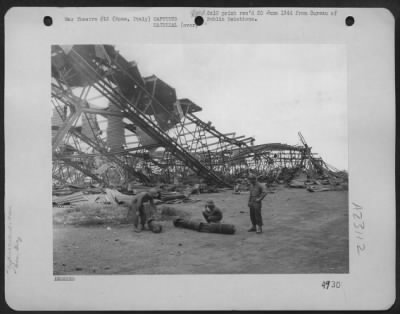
(217, 228)
(188, 224)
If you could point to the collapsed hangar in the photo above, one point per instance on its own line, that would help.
(143, 132)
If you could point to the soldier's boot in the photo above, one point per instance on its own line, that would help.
(138, 228)
(252, 229)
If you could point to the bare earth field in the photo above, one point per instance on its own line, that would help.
(303, 233)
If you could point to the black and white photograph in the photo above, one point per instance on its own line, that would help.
(199, 159)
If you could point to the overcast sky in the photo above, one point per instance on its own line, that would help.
(269, 92)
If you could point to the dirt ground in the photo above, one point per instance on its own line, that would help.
(304, 232)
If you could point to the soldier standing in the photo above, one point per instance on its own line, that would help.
(257, 194)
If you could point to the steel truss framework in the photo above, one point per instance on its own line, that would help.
(151, 136)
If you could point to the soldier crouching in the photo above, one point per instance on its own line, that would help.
(142, 210)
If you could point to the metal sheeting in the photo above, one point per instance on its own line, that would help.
(187, 106)
(162, 92)
(166, 120)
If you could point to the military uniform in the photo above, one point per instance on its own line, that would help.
(139, 211)
(257, 191)
(213, 215)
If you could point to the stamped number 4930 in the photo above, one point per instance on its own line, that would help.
(331, 284)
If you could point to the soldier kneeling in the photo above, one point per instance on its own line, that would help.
(212, 213)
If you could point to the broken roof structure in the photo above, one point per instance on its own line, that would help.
(142, 131)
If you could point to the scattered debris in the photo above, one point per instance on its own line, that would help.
(169, 196)
(69, 199)
(117, 197)
(297, 184)
(314, 188)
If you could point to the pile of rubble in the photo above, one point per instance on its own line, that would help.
(69, 199)
(168, 194)
(321, 183)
